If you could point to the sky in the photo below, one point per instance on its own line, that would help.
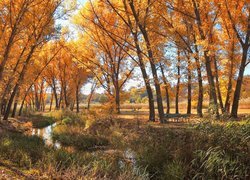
(131, 83)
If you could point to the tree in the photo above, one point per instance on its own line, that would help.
(238, 15)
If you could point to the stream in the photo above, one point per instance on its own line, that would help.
(46, 134)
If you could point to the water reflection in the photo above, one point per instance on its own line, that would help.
(46, 135)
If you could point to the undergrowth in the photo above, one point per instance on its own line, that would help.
(203, 151)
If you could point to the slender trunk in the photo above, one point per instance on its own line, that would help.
(237, 91)
(91, 94)
(210, 76)
(60, 99)
(19, 81)
(77, 99)
(166, 89)
(141, 64)
(213, 96)
(21, 107)
(51, 101)
(150, 95)
(41, 97)
(230, 77)
(15, 105)
(55, 94)
(65, 96)
(7, 112)
(189, 87)
(89, 101)
(200, 83)
(14, 109)
(178, 84)
(3, 106)
(218, 85)
(37, 103)
(117, 100)
(22, 104)
(155, 75)
(146, 80)
(117, 94)
(151, 61)
(12, 77)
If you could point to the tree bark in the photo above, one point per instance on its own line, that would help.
(15, 105)
(55, 94)
(214, 104)
(230, 85)
(151, 61)
(19, 81)
(117, 101)
(200, 83)
(218, 86)
(189, 105)
(51, 101)
(146, 79)
(21, 107)
(77, 99)
(178, 84)
(237, 91)
(166, 89)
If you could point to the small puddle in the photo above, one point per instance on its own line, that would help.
(46, 135)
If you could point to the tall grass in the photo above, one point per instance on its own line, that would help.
(203, 151)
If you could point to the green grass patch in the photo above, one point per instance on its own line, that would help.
(79, 141)
(40, 121)
(22, 150)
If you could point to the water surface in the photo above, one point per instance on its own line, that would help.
(46, 134)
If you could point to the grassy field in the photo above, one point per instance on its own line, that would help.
(103, 146)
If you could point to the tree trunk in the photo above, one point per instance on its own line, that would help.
(178, 83)
(77, 99)
(21, 107)
(51, 101)
(117, 100)
(3, 106)
(200, 83)
(37, 102)
(65, 96)
(218, 85)
(7, 112)
(189, 105)
(15, 105)
(146, 79)
(60, 99)
(156, 79)
(166, 89)
(237, 91)
(117, 94)
(213, 96)
(214, 105)
(55, 95)
(151, 61)
(22, 104)
(19, 81)
(230, 78)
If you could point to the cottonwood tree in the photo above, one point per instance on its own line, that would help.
(237, 14)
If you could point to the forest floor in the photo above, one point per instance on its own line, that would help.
(104, 146)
